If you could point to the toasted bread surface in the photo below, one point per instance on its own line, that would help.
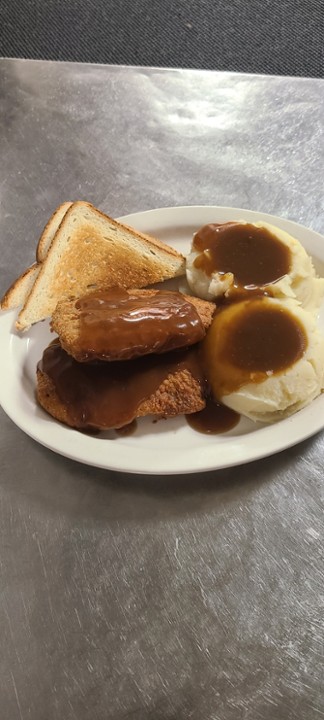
(49, 231)
(18, 292)
(66, 322)
(16, 295)
(90, 250)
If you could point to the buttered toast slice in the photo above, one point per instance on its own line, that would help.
(20, 289)
(89, 251)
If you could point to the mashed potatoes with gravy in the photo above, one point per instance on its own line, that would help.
(216, 252)
(264, 358)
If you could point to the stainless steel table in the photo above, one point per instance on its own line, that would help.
(158, 598)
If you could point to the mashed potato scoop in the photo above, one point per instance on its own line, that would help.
(238, 257)
(264, 358)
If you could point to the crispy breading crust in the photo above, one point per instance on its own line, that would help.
(179, 394)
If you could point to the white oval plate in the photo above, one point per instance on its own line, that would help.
(166, 446)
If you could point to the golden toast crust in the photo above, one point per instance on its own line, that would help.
(91, 250)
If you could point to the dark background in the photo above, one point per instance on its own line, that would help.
(283, 37)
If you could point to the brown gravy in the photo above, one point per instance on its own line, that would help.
(215, 418)
(127, 430)
(250, 341)
(108, 395)
(119, 325)
(265, 339)
(254, 255)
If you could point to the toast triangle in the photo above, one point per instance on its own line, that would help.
(91, 250)
(18, 292)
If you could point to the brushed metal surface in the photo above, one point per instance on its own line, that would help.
(161, 598)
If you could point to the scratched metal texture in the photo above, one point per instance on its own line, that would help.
(157, 598)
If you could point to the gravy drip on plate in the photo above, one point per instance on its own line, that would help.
(119, 325)
(252, 254)
(215, 418)
(108, 395)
